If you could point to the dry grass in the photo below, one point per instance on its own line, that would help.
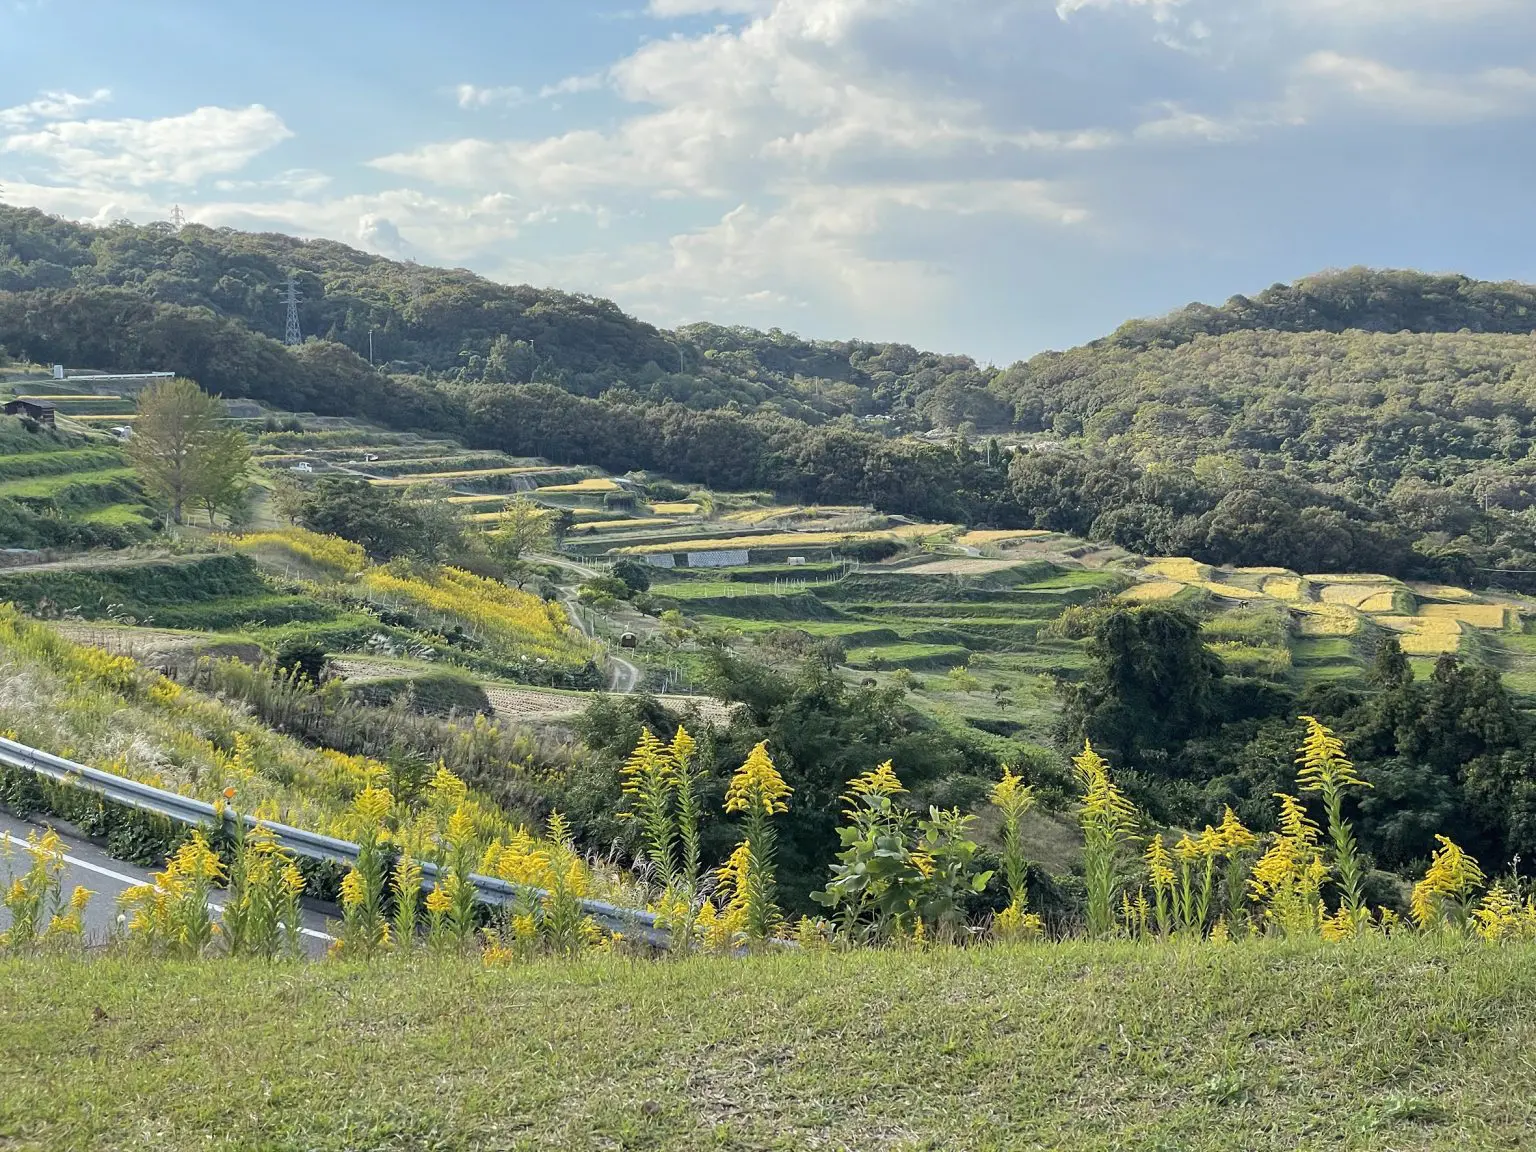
(1477, 615)
(1155, 590)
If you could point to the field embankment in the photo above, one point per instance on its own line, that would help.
(1383, 1044)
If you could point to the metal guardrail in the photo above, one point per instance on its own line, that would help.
(146, 798)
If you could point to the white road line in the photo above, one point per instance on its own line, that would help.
(131, 881)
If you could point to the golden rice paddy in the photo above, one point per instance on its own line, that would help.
(1443, 592)
(981, 539)
(1228, 591)
(1477, 615)
(1180, 568)
(469, 474)
(1263, 572)
(1379, 602)
(1328, 620)
(677, 509)
(1153, 590)
(1283, 587)
(1352, 578)
(605, 525)
(1352, 594)
(591, 484)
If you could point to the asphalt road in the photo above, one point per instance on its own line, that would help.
(87, 866)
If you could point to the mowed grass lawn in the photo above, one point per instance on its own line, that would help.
(1383, 1044)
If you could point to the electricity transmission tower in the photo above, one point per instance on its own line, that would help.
(178, 218)
(292, 336)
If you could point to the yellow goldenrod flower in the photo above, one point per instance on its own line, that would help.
(757, 784)
(1234, 837)
(1159, 863)
(879, 781)
(439, 900)
(461, 828)
(1324, 767)
(1453, 876)
(352, 893)
(1011, 795)
(372, 805)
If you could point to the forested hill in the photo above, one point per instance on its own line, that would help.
(1361, 299)
(107, 296)
(1355, 420)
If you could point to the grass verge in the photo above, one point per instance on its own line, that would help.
(1381, 1044)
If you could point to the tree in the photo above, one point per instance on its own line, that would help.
(380, 519)
(635, 575)
(524, 527)
(1153, 685)
(221, 473)
(440, 531)
(182, 454)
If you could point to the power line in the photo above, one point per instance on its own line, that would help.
(292, 336)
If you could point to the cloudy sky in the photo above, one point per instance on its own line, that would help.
(986, 176)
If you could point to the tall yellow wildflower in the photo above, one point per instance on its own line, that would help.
(1443, 898)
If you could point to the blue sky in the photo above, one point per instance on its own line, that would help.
(985, 176)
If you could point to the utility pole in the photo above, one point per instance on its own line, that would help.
(370, 347)
(292, 336)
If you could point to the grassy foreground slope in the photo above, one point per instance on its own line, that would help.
(1378, 1044)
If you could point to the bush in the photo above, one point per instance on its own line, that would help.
(636, 576)
(434, 694)
(302, 657)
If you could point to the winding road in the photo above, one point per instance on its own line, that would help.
(89, 867)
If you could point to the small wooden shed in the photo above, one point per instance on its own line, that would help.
(39, 410)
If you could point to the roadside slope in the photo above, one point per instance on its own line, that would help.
(1381, 1044)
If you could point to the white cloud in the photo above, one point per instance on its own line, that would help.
(672, 8)
(52, 106)
(572, 85)
(1405, 12)
(1160, 9)
(1422, 97)
(138, 153)
(470, 96)
(823, 240)
(295, 182)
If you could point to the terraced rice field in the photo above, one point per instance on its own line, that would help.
(986, 538)
(591, 485)
(959, 567)
(1153, 590)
